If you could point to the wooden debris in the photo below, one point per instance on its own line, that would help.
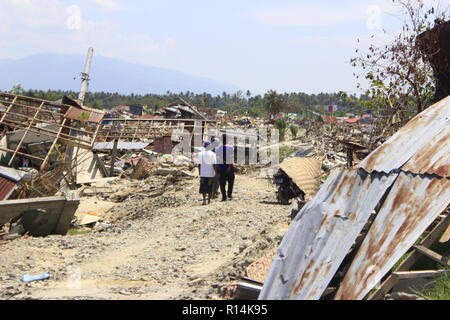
(420, 274)
(446, 236)
(433, 255)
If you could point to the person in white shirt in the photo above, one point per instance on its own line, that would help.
(215, 142)
(206, 161)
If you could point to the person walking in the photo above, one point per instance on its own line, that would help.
(225, 169)
(215, 142)
(206, 161)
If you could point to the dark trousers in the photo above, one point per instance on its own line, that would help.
(226, 177)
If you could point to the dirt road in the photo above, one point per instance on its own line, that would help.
(170, 247)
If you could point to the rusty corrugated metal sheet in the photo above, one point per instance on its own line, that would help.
(6, 188)
(306, 174)
(84, 115)
(259, 270)
(322, 234)
(421, 146)
(417, 160)
(163, 145)
(411, 206)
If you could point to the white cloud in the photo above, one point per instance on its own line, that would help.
(39, 26)
(307, 15)
(32, 13)
(112, 5)
(320, 15)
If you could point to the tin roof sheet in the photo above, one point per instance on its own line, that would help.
(84, 115)
(421, 146)
(259, 270)
(322, 234)
(6, 188)
(121, 145)
(10, 173)
(410, 207)
(415, 163)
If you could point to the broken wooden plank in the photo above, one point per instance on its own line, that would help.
(113, 157)
(390, 281)
(433, 255)
(446, 236)
(100, 165)
(420, 274)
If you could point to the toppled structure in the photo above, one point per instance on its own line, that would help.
(298, 178)
(48, 148)
(363, 221)
(41, 216)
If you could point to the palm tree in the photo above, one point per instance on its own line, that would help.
(274, 103)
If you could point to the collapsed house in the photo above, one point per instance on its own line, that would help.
(345, 241)
(48, 149)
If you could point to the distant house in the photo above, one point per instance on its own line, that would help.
(136, 110)
(177, 111)
(186, 112)
(121, 109)
(171, 113)
(352, 121)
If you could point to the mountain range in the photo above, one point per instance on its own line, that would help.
(57, 72)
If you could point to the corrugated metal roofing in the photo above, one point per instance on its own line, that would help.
(411, 206)
(259, 270)
(10, 173)
(415, 163)
(120, 145)
(322, 234)
(170, 109)
(84, 115)
(6, 188)
(421, 146)
(305, 172)
(186, 109)
(352, 120)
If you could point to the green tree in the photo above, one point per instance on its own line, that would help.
(401, 80)
(294, 131)
(274, 103)
(281, 125)
(17, 89)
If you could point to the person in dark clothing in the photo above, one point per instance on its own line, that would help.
(225, 169)
(226, 175)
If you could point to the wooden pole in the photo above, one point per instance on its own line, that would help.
(25, 135)
(47, 157)
(113, 157)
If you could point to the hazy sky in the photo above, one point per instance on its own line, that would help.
(254, 44)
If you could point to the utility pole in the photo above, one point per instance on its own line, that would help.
(85, 76)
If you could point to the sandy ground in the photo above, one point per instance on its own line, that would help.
(169, 247)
